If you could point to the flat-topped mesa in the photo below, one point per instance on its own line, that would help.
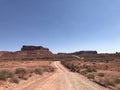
(28, 53)
(84, 52)
(30, 48)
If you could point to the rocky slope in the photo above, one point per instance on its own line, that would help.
(28, 53)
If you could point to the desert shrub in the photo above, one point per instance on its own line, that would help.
(38, 71)
(25, 78)
(51, 69)
(20, 70)
(117, 81)
(14, 80)
(85, 66)
(108, 82)
(90, 76)
(107, 61)
(101, 74)
(5, 74)
(91, 69)
(74, 68)
(21, 73)
(83, 72)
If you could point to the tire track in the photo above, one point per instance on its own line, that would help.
(61, 79)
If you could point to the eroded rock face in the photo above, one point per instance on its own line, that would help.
(28, 53)
(29, 48)
(3, 52)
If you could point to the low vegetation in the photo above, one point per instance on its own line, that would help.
(22, 73)
(83, 69)
(107, 82)
(14, 80)
(90, 76)
(102, 69)
(38, 71)
(101, 74)
(117, 81)
(5, 74)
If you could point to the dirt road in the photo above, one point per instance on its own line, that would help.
(62, 79)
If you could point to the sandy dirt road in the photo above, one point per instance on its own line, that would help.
(62, 79)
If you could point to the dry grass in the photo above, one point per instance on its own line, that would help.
(104, 69)
(16, 71)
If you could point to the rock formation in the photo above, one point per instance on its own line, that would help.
(28, 53)
(84, 52)
(28, 48)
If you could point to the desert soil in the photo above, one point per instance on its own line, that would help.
(61, 79)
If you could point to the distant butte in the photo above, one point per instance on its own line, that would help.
(29, 48)
(28, 53)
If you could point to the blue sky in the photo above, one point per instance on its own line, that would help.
(60, 25)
